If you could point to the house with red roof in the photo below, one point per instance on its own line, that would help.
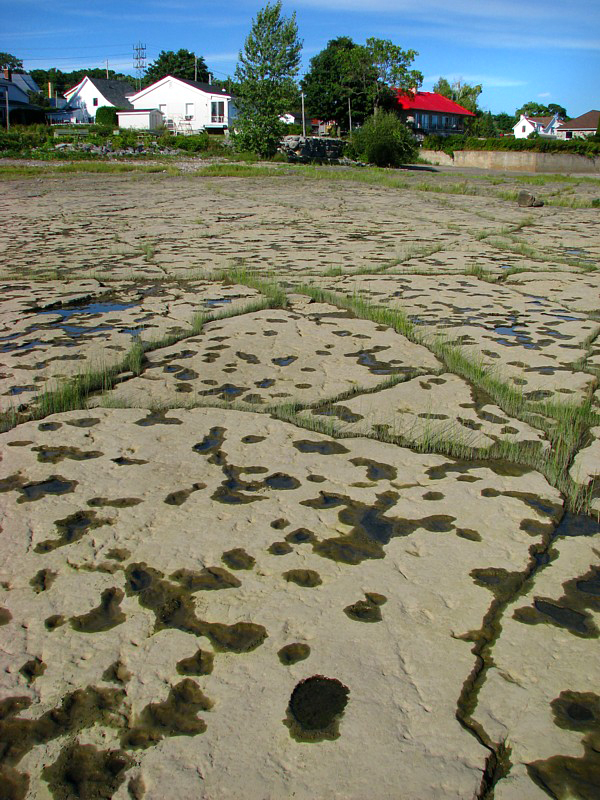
(430, 112)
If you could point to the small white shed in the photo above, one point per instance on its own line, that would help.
(141, 119)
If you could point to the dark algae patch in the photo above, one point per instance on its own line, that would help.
(52, 485)
(201, 663)
(42, 580)
(292, 653)
(571, 611)
(375, 470)
(179, 497)
(71, 529)
(210, 578)
(325, 448)
(315, 708)
(84, 772)
(238, 558)
(307, 578)
(105, 616)
(176, 716)
(569, 776)
(367, 610)
(48, 454)
(5, 616)
(33, 669)
(280, 549)
(370, 528)
(173, 607)
(79, 710)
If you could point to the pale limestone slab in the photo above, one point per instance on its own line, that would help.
(429, 408)
(94, 331)
(530, 341)
(580, 293)
(535, 663)
(306, 353)
(404, 673)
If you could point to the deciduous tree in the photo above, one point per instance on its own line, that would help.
(265, 73)
(464, 94)
(181, 64)
(340, 73)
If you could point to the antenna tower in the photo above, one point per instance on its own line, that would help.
(139, 62)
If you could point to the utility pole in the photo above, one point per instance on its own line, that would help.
(195, 67)
(350, 114)
(107, 69)
(7, 116)
(303, 119)
(139, 61)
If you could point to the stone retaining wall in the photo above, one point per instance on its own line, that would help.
(521, 161)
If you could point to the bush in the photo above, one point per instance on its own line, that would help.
(384, 141)
(107, 116)
(192, 144)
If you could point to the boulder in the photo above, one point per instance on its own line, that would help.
(528, 200)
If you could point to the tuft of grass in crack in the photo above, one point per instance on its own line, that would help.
(564, 424)
(267, 286)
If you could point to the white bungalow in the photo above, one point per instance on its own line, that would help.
(186, 106)
(90, 94)
(545, 126)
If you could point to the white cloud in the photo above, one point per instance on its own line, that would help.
(545, 94)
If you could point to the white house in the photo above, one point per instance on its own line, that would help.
(90, 94)
(545, 126)
(187, 106)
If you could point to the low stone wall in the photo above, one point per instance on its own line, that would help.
(312, 148)
(520, 161)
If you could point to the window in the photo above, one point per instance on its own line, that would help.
(522, 128)
(189, 110)
(217, 111)
(434, 120)
(568, 134)
(95, 101)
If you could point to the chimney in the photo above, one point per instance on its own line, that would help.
(7, 74)
(50, 89)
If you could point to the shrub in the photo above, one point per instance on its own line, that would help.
(384, 141)
(107, 116)
(192, 144)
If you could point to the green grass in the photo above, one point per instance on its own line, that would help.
(564, 424)
(9, 172)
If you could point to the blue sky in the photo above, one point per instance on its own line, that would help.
(519, 50)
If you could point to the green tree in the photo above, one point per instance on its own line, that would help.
(464, 94)
(265, 73)
(391, 65)
(533, 109)
(338, 74)
(61, 81)
(8, 61)
(504, 122)
(181, 64)
(384, 141)
(554, 108)
(483, 125)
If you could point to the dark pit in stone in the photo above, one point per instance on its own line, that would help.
(316, 705)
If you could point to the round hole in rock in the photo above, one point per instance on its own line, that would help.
(317, 701)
